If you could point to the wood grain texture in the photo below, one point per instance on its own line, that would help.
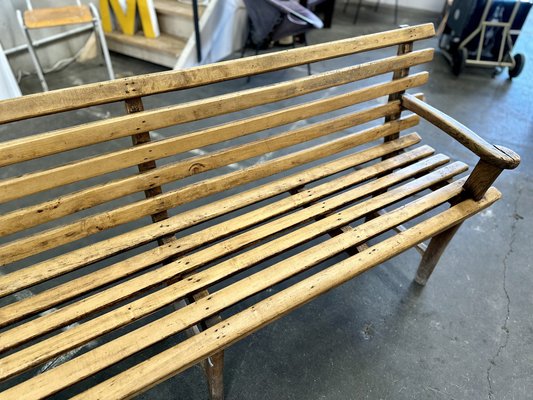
(105, 355)
(87, 226)
(169, 363)
(40, 145)
(154, 177)
(85, 256)
(36, 182)
(134, 264)
(218, 301)
(433, 253)
(121, 89)
(189, 263)
(498, 156)
(57, 16)
(117, 305)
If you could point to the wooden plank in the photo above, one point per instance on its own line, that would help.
(163, 50)
(175, 8)
(27, 217)
(87, 226)
(421, 247)
(188, 263)
(57, 16)
(78, 258)
(36, 182)
(498, 156)
(158, 368)
(71, 372)
(40, 145)
(204, 278)
(164, 44)
(182, 245)
(121, 89)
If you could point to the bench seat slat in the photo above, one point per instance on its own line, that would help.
(87, 226)
(188, 263)
(40, 145)
(111, 352)
(121, 89)
(28, 184)
(96, 252)
(126, 314)
(149, 373)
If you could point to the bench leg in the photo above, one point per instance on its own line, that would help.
(214, 370)
(434, 251)
(213, 366)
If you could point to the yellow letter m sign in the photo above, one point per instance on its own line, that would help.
(125, 15)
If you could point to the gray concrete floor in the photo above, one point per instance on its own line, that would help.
(467, 335)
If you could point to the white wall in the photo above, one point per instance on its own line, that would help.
(11, 35)
(430, 5)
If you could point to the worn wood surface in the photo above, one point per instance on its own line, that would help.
(121, 89)
(400, 73)
(36, 182)
(498, 156)
(40, 145)
(303, 177)
(180, 357)
(481, 178)
(188, 263)
(57, 16)
(433, 253)
(106, 354)
(93, 253)
(86, 226)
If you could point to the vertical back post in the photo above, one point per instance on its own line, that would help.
(214, 365)
(135, 105)
(403, 48)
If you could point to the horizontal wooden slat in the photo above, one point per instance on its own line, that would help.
(11, 282)
(25, 185)
(121, 89)
(34, 215)
(40, 145)
(76, 259)
(107, 354)
(114, 294)
(89, 225)
(160, 367)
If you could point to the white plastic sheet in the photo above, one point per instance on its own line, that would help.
(223, 31)
(8, 84)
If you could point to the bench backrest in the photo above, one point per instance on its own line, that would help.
(108, 185)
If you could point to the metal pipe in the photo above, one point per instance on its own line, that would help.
(103, 44)
(478, 29)
(33, 54)
(47, 40)
(489, 63)
(481, 40)
(197, 31)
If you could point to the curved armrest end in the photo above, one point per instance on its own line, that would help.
(510, 159)
(498, 156)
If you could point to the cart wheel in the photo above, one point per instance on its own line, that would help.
(519, 61)
(459, 61)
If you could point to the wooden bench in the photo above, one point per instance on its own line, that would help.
(238, 205)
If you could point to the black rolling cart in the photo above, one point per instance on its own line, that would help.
(483, 33)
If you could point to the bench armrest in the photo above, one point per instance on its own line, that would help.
(495, 155)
